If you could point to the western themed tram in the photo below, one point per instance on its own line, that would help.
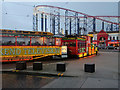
(79, 46)
(28, 45)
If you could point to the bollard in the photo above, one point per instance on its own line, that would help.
(89, 68)
(21, 65)
(37, 66)
(61, 67)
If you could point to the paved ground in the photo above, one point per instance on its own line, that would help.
(24, 81)
(106, 75)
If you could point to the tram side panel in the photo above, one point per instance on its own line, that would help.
(20, 53)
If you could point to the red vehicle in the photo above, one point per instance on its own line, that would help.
(78, 46)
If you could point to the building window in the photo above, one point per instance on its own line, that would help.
(113, 38)
(110, 38)
(117, 38)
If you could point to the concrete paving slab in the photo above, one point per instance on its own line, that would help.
(106, 75)
(100, 83)
(66, 82)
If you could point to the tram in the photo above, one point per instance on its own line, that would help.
(79, 46)
(27, 45)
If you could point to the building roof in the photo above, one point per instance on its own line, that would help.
(106, 32)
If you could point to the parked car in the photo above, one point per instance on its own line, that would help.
(110, 47)
(101, 47)
(117, 48)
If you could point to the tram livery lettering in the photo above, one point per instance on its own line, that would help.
(26, 51)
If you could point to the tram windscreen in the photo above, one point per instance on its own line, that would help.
(65, 44)
(72, 44)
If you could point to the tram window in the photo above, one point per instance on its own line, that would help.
(32, 32)
(37, 41)
(18, 31)
(47, 41)
(65, 43)
(58, 41)
(10, 31)
(81, 44)
(40, 33)
(0, 41)
(53, 41)
(3, 31)
(72, 44)
(84, 44)
(23, 41)
(50, 41)
(25, 32)
(8, 41)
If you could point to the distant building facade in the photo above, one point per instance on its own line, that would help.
(105, 39)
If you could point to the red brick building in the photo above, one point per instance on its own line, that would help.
(105, 39)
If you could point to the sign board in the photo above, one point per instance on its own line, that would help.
(64, 50)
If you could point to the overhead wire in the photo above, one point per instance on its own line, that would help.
(6, 12)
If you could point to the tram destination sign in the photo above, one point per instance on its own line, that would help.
(6, 51)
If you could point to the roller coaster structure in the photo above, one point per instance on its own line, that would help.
(61, 20)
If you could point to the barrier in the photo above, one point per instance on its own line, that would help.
(37, 66)
(21, 65)
(61, 67)
(89, 68)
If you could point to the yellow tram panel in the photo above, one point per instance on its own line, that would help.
(13, 51)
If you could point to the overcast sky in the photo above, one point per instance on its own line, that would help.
(18, 15)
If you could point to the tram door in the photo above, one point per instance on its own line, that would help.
(72, 47)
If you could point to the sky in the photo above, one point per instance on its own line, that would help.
(19, 15)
